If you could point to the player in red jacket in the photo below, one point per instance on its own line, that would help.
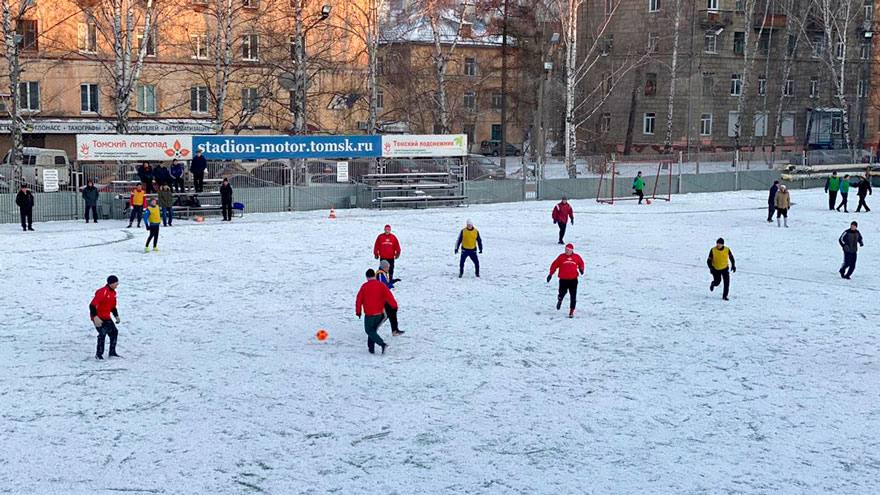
(101, 309)
(570, 265)
(387, 248)
(372, 298)
(562, 213)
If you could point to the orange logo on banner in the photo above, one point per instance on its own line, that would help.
(177, 151)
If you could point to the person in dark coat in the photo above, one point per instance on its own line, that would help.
(197, 167)
(832, 186)
(864, 189)
(850, 241)
(226, 200)
(90, 198)
(562, 214)
(145, 174)
(162, 176)
(25, 201)
(771, 201)
(176, 176)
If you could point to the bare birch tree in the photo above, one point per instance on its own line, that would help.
(13, 12)
(439, 13)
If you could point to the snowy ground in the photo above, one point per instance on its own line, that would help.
(656, 387)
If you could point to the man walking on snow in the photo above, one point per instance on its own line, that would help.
(570, 265)
(721, 263)
(387, 248)
(469, 240)
(844, 194)
(864, 189)
(562, 213)
(771, 201)
(371, 299)
(850, 241)
(832, 185)
(102, 307)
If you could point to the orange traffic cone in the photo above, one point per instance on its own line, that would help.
(332, 213)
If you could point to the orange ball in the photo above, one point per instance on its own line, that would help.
(321, 335)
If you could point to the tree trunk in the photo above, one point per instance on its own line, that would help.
(372, 62)
(631, 117)
(300, 72)
(15, 120)
(673, 74)
(571, 48)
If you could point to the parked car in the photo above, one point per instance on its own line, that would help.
(35, 160)
(480, 167)
(493, 148)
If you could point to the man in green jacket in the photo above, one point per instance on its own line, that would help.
(90, 198)
(832, 185)
(844, 192)
(639, 186)
(166, 202)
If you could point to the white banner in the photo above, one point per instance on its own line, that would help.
(427, 145)
(97, 126)
(341, 171)
(50, 180)
(130, 147)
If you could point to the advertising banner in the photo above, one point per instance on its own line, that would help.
(341, 171)
(129, 147)
(286, 147)
(427, 145)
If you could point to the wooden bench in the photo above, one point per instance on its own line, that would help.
(422, 200)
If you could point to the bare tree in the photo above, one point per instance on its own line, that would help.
(673, 74)
(14, 12)
(439, 13)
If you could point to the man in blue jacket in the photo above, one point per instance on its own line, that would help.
(176, 176)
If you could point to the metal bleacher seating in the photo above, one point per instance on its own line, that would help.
(420, 189)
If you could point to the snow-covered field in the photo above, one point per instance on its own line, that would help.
(656, 387)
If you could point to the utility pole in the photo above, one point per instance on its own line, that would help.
(503, 144)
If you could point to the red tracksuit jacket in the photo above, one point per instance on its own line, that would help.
(105, 302)
(569, 266)
(386, 246)
(372, 298)
(562, 212)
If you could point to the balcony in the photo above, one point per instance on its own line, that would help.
(773, 21)
(713, 19)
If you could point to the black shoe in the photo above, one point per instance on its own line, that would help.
(558, 304)
(384, 346)
(847, 277)
(841, 274)
(769, 220)
(712, 287)
(98, 356)
(129, 226)
(478, 275)
(725, 299)
(23, 229)
(113, 354)
(560, 242)
(397, 333)
(31, 229)
(460, 275)
(95, 221)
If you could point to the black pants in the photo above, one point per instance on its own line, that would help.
(199, 180)
(862, 204)
(136, 212)
(832, 199)
(108, 328)
(226, 207)
(371, 326)
(782, 212)
(640, 194)
(390, 267)
(562, 226)
(472, 254)
(721, 275)
(843, 202)
(27, 218)
(177, 184)
(154, 235)
(849, 264)
(771, 209)
(94, 210)
(391, 313)
(570, 286)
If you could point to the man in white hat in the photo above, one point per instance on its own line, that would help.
(469, 241)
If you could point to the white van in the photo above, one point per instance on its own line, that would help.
(35, 160)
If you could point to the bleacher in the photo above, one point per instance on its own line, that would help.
(416, 189)
(211, 192)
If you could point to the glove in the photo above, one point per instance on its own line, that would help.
(377, 257)
(456, 251)
(481, 251)
(359, 316)
(97, 321)
(549, 277)
(118, 320)
(395, 280)
(733, 269)
(582, 272)
(555, 222)
(572, 221)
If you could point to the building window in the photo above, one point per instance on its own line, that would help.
(496, 100)
(836, 123)
(200, 46)
(788, 89)
(151, 43)
(732, 124)
(708, 84)
(146, 98)
(29, 96)
(470, 100)
(87, 37)
(653, 5)
(250, 47)
(736, 84)
(710, 43)
(250, 4)
(712, 5)
(787, 126)
(26, 30)
(706, 124)
(869, 10)
(840, 50)
(818, 44)
(740, 5)
(648, 123)
(605, 123)
(607, 83)
(470, 131)
(863, 88)
(739, 43)
(865, 50)
(606, 45)
(250, 100)
(650, 84)
(88, 98)
(380, 99)
(470, 67)
(762, 86)
(653, 42)
(791, 45)
(814, 87)
(198, 99)
(380, 66)
(764, 44)
(760, 124)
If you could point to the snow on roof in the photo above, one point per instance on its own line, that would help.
(417, 29)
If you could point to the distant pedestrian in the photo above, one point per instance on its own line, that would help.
(832, 185)
(771, 201)
(101, 309)
(226, 200)
(721, 264)
(864, 189)
(145, 174)
(90, 198)
(390, 312)
(850, 241)
(166, 203)
(197, 168)
(136, 202)
(638, 186)
(25, 201)
(387, 248)
(562, 213)
(844, 193)
(782, 204)
(152, 220)
(371, 300)
(469, 241)
(570, 266)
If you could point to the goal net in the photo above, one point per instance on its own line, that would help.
(617, 181)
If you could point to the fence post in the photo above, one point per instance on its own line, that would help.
(290, 165)
(680, 160)
(736, 170)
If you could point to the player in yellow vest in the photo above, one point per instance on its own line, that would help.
(469, 240)
(152, 220)
(721, 263)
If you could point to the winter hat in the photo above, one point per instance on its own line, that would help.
(720, 240)
(469, 222)
(384, 264)
(112, 279)
(569, 246)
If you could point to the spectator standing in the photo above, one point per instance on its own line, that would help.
(162, 176)
(166, 203)
(25, 201)
(782, 203)
(176, 173)
(226, 200)
(90, 198)
(145, 174)
(771, 201)
(197, 168)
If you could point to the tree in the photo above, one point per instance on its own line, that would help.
(14, 12)
(441, 16)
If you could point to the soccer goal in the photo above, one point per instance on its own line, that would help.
(616, 181)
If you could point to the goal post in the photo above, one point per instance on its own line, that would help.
(616, 180)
